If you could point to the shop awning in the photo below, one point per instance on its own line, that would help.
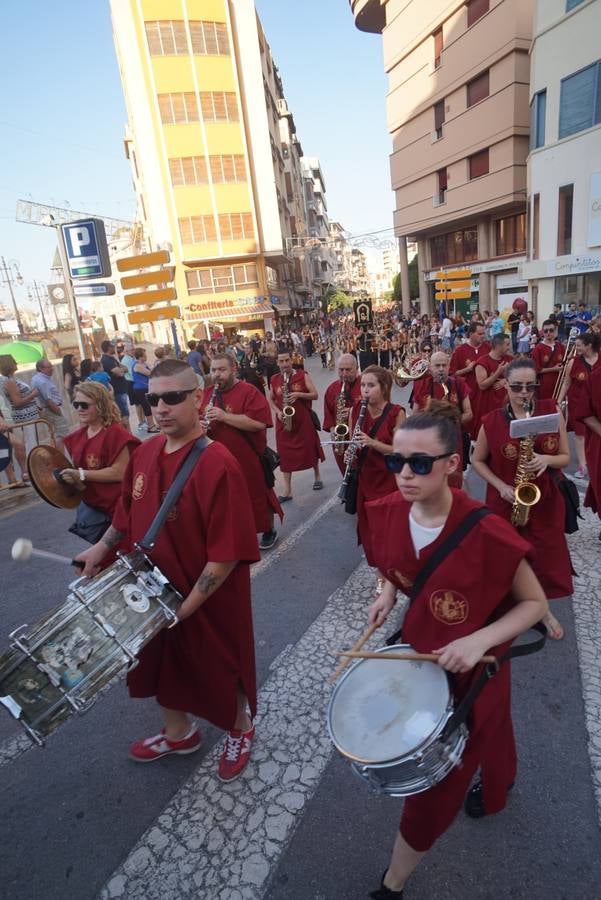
(216, 312)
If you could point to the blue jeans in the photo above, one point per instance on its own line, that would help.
(122, 402)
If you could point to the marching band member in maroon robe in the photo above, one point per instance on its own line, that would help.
(495, 459)
(490, 605)
(205, 665)
(238, 417)
(348, 382)
(299, 448)
(547, 356)
(464, 359)
(100, 449)
(578, 370)
(439, 385)
(374, 479)
(589, 412)
(490, 379)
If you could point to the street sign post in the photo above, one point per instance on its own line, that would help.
(86, 249)
(94, 290)
(163, 292)
(455, 284)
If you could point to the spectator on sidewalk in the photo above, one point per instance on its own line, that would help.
(116, 373)
(50, 401)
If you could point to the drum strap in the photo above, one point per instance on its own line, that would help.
(489, 671)
(172, 496)
(453, 541)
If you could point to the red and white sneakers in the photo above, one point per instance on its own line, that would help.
(159, 745)
(236, 753)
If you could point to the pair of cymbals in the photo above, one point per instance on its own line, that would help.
(44, 465)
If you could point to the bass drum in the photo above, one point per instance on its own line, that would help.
(387, 718)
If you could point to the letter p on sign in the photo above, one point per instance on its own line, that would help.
(80, 238)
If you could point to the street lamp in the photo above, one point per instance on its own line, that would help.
(11, 269)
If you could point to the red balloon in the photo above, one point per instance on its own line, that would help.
(520, 305)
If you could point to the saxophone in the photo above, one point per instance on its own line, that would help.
(341, 430)
(288, 409)
(527, 494)
(351, 452)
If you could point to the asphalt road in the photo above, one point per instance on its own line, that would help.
(73, 811)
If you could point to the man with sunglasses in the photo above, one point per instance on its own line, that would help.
(205, 665)
(548, 355)
(238, 418)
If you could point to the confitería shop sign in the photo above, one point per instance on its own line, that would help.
(574, 265)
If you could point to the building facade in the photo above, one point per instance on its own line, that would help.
(203, 138)
(564, 166)
(457, 110)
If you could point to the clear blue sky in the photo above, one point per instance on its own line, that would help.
(62, 115)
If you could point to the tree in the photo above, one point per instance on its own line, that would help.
(413, 282)
(335, 299)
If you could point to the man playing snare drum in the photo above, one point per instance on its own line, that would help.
(205, 666)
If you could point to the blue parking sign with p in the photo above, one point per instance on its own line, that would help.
(86, 248)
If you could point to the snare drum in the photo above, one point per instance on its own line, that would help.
(60, 666)
(387, 718)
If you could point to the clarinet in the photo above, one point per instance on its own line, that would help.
(209, 406)
(351, 452)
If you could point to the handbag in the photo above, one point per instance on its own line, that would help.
(571, 500)
(90, 523)
(352, 484)
(315, 419)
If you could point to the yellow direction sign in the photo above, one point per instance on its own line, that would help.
(144, 261)
(138, 316)
(149, 298)
(451, 285)
(453, 295)
(144, 279)
(454, 273)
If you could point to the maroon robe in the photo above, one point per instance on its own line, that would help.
(374, 478)
(329, 411)
(426, 389)
(247, 446)
(579, 375)
(100, 452)
(196, 666)
(462, 355)
(545, 527)
(545, 357)
(300, 448)
(590, 405)
(467, 591)
(484, 401)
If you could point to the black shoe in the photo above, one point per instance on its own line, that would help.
(474, 804)
(268, 539)
(384, 893)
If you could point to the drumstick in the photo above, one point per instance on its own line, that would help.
(23, 550)
(344, 662)
(416, 657)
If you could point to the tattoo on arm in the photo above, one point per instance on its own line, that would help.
(112, 537)
(208, 582)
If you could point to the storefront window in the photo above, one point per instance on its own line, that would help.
(454, 247)
(510, 235)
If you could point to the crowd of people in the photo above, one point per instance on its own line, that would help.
(470, 380)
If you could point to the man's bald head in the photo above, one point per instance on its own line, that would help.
(178, 370)
(439, 364)
(347, 367)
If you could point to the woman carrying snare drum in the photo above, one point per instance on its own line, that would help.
(470, 605)
(100, 451)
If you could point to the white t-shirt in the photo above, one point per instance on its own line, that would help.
(422, 536)
(446, 328)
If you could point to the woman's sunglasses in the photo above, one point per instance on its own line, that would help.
(518, 388)
(171, 398)
(81, 404)
(419, 464)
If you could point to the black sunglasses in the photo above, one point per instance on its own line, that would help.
(420, 464)
(518, 388)
(171, 398)
(80, 404)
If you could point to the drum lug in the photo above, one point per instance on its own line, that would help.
(18, 635)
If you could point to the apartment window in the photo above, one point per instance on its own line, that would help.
(197, 229)
(538, 110)
(572, 4)
(478, 88)
(454, 247)
(564, 220)
(166, 38)
(221, 278)
(438, 45)
(177, 109)
(442, 180)
(236, 226)
(510, 234)
(219, 106)
(227, 169)
(209, 38)
(478, 164)
(580, 100)
(475, 10)
(536, 226)
(438, 118)
(187, 170)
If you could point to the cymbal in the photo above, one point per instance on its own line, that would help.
(44, 464)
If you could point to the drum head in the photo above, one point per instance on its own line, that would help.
(42, 463)
(381, 711)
